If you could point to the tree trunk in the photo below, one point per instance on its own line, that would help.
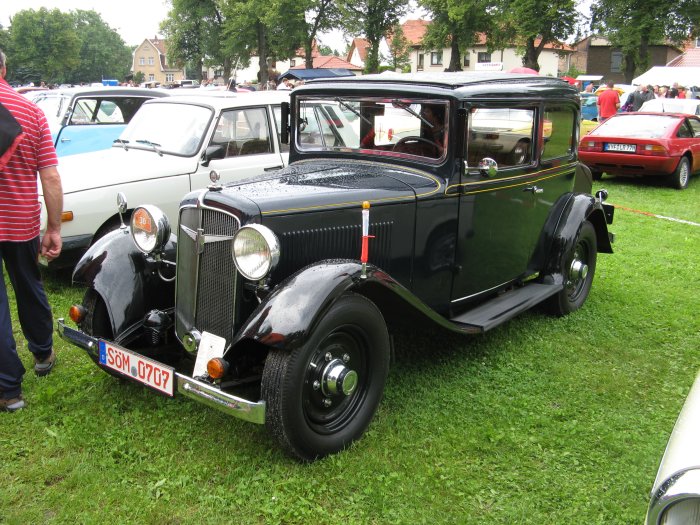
(532, 55)
(455, 57)
(372, 64)
(262, 53)
(308, 50)
(227, 67)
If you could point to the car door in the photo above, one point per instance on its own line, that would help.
(250, 143)
(502, 213)
(691, 140)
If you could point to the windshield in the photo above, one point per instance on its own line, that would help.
(173, 128)
(54, 108)
(636, 126)
(373, 126)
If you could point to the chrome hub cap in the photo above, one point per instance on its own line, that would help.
(338, 379)
(579, 270)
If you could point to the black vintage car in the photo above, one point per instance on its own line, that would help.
(274, 299)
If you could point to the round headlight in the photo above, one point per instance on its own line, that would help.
(150, 228)
(256, 251)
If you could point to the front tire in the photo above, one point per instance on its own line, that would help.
(322, 396)
(578, 268)
(680, 178)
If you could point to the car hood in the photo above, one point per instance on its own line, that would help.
(317, 185)
(117, 166)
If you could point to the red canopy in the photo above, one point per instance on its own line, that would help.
(570, 80)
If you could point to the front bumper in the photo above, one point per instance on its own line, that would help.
(206, 394)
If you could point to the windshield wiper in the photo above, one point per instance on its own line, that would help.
(154, 145)
(406, 107)
(347, 106)
(122, 142)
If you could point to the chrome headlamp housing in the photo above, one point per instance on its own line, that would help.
(150, 229)
(256, 251)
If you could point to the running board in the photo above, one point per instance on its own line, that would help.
(506, 306)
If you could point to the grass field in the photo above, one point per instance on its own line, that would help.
(543, 420)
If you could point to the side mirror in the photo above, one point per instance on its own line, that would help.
(284, 132)
(488, 168)
(213, 153)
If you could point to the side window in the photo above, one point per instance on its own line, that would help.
(695, 126)
(243, 132)
(684, 131)
(502, 134)
(558, 132)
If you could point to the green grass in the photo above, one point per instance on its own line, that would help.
(543, 420)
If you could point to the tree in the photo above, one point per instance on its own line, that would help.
(456, 24)
(103, 53)
(532, 24)
(374, 19)
(634, 29)
(45, 43)
(194, 33)
(399, 49)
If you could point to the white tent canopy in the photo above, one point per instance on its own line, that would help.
(666, 76)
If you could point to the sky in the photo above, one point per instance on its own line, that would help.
(134, 20)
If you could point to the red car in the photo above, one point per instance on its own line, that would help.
(641, 144)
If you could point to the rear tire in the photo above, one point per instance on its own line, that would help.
(322, 396)
(578, 268)
(680, 178)
(597, 175)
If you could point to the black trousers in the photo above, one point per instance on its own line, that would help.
(20, 260)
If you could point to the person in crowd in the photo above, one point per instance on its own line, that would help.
(589, 88)
(608, 102)
(30, 152)
(673, 91)
(639, 97)
(285, 85)
(681, 92)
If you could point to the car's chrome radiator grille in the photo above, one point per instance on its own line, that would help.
(206, 275)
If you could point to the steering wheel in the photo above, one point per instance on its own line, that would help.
(403, 142)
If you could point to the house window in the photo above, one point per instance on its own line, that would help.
(292, 62)
(436, 58)
(150, 61)
(169, 77)
(421, 61)
(483, 57)
(616, 61)
(697, 42)
(151, 77)
(142, 61)
(466, 59)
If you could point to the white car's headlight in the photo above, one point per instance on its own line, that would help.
(685, 511)
(256, 251)
(150, 229)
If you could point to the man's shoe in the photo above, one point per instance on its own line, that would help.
(43, 367)
(12, 405)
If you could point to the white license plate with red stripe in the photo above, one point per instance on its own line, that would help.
(142, 369)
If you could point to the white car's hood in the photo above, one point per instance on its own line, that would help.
(117, 166)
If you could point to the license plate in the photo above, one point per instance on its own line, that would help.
(626, 148)
(144, 370)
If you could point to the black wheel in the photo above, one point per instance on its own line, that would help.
(679, 178)
(322, 396)
(578, 268)
(520, 153)
(597, 175)
(96, 322)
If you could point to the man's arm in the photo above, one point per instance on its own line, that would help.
(53, 198)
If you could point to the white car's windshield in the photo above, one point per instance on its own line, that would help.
(174, 128)
(373, 126)
(54, 108)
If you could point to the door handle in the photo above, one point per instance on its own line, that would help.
(65, 140)
(534, 189)
(273, 168)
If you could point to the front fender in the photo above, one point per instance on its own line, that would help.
(287, 317)
(125, 278)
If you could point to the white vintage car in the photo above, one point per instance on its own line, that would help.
(168, 149)
(675, 496)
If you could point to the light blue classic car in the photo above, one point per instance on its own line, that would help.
(84, 119)
(675, 496)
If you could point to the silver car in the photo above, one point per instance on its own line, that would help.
(675, 496)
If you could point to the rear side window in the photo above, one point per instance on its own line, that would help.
(558, 131)
(502, 134)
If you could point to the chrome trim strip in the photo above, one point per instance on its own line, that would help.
(460, 299)
(251, 411)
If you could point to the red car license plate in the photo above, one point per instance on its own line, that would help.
(625, 148)
(142, 369)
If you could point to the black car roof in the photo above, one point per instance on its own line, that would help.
(458, 84)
